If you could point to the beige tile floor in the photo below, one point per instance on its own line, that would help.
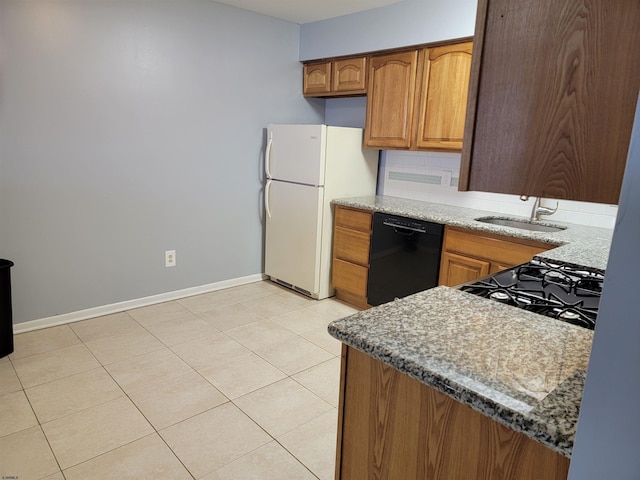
(236, 384)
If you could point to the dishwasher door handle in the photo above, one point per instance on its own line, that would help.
(402, 227)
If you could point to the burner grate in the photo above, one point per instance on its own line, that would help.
(559, 291)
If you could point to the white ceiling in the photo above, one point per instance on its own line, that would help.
(305, 11)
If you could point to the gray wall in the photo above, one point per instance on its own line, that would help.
(129, 127)
(346, 112)
(608, 438)
(409, 22)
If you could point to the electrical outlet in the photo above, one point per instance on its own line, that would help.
(170, 258)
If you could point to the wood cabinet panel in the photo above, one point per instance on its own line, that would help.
(352, 246)
(468, 255)
(350, 265)
(498, 267)
(457, 269)
(497, 248)
(353, 219)
(335, 77)
(552, 98)
(443, 97)
(316, 78)
(390, 100)
(350, 75)
(350, 277)
(392, 426)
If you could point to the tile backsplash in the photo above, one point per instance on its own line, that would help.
(433, 177)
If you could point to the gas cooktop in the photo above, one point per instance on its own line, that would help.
(560, 291)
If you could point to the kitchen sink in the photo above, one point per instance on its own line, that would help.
(522, 224)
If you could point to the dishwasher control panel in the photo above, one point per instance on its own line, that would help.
(406, 223)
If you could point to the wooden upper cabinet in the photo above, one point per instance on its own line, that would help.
(443, 97)
(554, 84)
(349, 75)
(390, 100)
(417, 99)
(340, 76)
(316, 78)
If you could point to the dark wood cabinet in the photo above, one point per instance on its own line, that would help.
(553, 90)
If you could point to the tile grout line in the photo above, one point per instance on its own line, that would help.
(192, 369)
(39, 426)
(157, 432)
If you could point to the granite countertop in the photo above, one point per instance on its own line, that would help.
(577, 245)
(524, 370)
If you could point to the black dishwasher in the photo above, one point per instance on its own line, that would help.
(404, 257)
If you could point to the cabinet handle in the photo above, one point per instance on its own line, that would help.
(396, 228)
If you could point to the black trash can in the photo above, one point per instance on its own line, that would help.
(6, 316)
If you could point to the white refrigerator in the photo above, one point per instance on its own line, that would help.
(306, 167)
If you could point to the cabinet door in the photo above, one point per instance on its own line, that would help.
(349, 76)
(443, 97)
(498, 266)
(316, 79)
(457, 269)
(390, 100)
(552, 98)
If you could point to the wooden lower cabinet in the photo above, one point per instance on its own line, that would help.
(459, 269)
(350, 278)
(350, 265)
(391, 426)
(468, 255)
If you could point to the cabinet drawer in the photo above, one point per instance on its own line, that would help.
(351, 246)
(350, 277)
(353, 219)
(499, 249)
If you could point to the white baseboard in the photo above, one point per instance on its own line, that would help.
(131, 304)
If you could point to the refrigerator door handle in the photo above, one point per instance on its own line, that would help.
(267, 155)
(266, 198)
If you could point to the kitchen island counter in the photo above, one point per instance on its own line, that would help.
(577, 244)
(521, 369)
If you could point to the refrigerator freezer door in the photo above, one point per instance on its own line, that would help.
(296, 153)
(293, 235)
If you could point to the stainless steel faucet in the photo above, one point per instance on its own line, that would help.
(538, 210)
